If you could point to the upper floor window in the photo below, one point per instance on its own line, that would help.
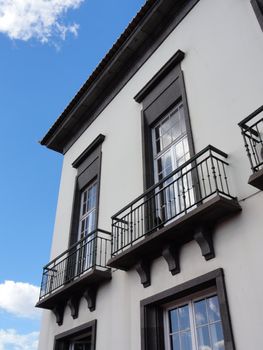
(170, 150)
(170, 142)
(167, 136)
(86, 199)
(167, 143)
(88, 210)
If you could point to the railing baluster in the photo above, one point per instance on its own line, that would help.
(142, 220)
(181, 191)
(251, 130)
(208, 176)
(252, 147)
(248, 150)
(219, 175)
(131, 226)
(82, 256)
(188, 188)
(213, 171)
(203, 180)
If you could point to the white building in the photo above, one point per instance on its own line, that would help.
(151, 249)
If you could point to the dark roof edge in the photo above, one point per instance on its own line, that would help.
(140, 39)
(128, 32)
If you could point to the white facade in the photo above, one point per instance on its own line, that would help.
(222, 68)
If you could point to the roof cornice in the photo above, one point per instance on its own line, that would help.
(155, 20)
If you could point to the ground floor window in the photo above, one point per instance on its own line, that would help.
(190, 316)
(79, 338)
(81, 344)
(194, 324)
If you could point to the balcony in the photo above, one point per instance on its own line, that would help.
(185, 205)
(252, 131)
(75, 273)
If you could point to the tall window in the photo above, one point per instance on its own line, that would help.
(87, 220)
(85, 206)
(167, 143)
(167, 136)
(85, 209)
(170, 150)
(195, 325)
(87, 225)
(170, 143)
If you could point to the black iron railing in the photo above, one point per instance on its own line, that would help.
(92, 251)
(252, 131)
(197, 180)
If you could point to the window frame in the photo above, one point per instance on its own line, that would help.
(88, 166)
(62, 340)
(189, 301)
(153, 309)
(88, 213)
(166, 89)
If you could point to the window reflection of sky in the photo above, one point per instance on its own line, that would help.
(204, 334)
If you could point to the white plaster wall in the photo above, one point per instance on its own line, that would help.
(224, 83)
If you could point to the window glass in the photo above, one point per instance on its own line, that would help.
(180, 336)
(80, 345)
(171, 150)
(170, 129)
(196, 326)
(87, 219)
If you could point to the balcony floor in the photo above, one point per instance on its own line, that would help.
(256, 180)
(178, 232)
(78, 286)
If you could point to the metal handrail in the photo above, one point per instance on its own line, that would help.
(194, 182)
(252, 130)
(243, 122)
(177, 170)
(92, 251)
(76, 244)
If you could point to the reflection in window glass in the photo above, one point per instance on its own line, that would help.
(203, 338)
(208, 323)
(80, 345)
(196, 326)
(171, 150)
(88, 210)
(184, 318)
(200, 312)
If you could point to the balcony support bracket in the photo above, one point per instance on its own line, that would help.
(143, 269)
(90, 295)
(171, 255)
(73, 304)
(58, 311)
(203, 236)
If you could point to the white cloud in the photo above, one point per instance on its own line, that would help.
(38, 19)
(12, 340)
(19, 299)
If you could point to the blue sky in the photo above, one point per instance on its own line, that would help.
(42, 66)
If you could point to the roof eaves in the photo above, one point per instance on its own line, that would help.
(99, 69)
